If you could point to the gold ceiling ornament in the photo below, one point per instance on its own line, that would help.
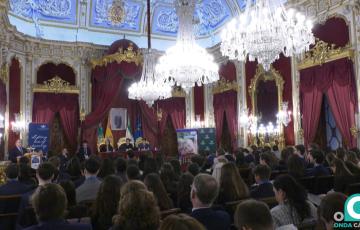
(224, 85)
(354, 131)
(82, 114)
(178, 92)
(128, 55)
(116, 13)
(4, 73)
(324, 52)
(301, 133)
(55, 85)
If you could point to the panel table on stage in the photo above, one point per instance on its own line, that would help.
(116, 154)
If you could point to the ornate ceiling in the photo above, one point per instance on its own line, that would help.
(87, 20)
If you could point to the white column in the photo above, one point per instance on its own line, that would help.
(295, 84)
(209, 106)
(189, 106)
(241, 98)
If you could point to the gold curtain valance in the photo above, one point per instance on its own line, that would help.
(178, 92)
(55, 85)
(4, 73)
(128, 55)
(224, 85)
(324, 52)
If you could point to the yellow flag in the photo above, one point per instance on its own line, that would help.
(108, 133)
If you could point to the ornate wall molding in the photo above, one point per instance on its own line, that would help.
(178, 92)
(224, 85)
(55, 85)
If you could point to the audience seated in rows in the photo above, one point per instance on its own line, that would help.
(181, 222)
(13, 186)
(317, 159)
(155, 185)
(89, 188)
(342, 175)
(120, 169)
(296, 166)
(263, 187)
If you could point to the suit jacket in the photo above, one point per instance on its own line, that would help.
(212, 219)
(104, 149)
(88, 190)
(124, 147)
(59, 225)
(14, 187)
(63, 162)
(262, 190)
(84, 153)
(15, 152)
(319, 170)
(24, 204)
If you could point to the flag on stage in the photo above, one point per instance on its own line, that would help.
(108, 133)
(138, 130)
(128, 134)
(100, 133)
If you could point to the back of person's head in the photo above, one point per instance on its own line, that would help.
(253, 215)
(181, 222)
(176, 166)
(330, 204)
(133, 172)
(352, 157)
(69, 189)
(287, 189)
(55, 161)
(263, 172)
(275, 148)
(150, 166)
(314, 146)
(198, 159)
(74, 167)
(266, 158)
(318, 156)
(231, 183)
(130, 154)
(24, 160)
(340, 153)
(194, 169)
(167, 173)
(107, 200)
(46, 171)
(300, 149)
(12, 171)
(286, 153)
(239, 158)
(92, 165)
(220, 152)
(295, 166)
(339, 168)
(184, 185)
(106, 168)
(49, 202)
(132, 162)
(132, 186)
(155, 185)
(137, 210)
(206, 188)
(120, 165)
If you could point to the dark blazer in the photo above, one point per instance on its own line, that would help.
(124, 147)
(249, 158)
(82, 153)
(59, 225)
(24, 204)
(15, 152)
(262, 190)
(14, 187)
(212, 219)
(63, 162)
(103, 148)
(319, 170)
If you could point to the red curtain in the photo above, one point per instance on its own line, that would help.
(175, 107)
(199, 102)
(3, 101)
(50, 70)
(149, 124)
(226, 102)
(14, 98)
(67, 105)
(336, 80)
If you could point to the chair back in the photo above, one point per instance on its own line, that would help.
(352, 189)
(323, 184)
(308, 183)
(9, 206)
(270, 201)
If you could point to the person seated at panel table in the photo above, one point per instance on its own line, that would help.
(127, 146)
(84, 151)
(144, 145)
(17, 152)
(107, 147)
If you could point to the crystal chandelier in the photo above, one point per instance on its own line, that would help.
(187, 63)
(265, 30)
(149, 88)
(284, 115)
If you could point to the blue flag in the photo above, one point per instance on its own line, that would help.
(138, 129)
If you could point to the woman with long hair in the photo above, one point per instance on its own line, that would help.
(183, 192)
(106, 203)
(181, 222)
(295, 166)
(154, 184)
(169, 179)
(107, 168)
(232, 186)
(293, 207)
(342, 175)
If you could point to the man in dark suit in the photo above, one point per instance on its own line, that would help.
(107, 147)
(84, 151)
(50, 209)
(263, 187)
(204, 191)
(317, 158)
(64, 159)
(12, 185)
(16, 152)
(127, 146)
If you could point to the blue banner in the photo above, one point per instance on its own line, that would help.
(39, 136)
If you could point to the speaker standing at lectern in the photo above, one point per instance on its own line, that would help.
(17, 152)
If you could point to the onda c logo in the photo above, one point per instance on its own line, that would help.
(352, 208)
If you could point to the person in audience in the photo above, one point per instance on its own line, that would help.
(49, 203)
(199, 160)
(249, 154)
(106, 168)
(300, 152)
(316, 157)
(285, 154)
(263, 187)
(219, 161)
(88, 190)
(194, 169)
(73, 210)
(268, 159)
(293, 207)
(342, 175)
(150, 166)
(120, 168)
(181, 222)
(59, 175)
(176, 166)
(232, 186)
(296, 166)
(275, 150)
(183, 192)
(106, 203)
(168, 177)
(132, 186)
(253, 215)
(106, 147)
(240, 160)
(17, 152)
(204, 191)
(12, 185)
(137, 210)
(133, 173)
(126, 147)
(330, 204)
(64, 159)
(26, 173)
(84, 151)
(353, 168)
(341, 153)
(74, 168)
(352, 157)
(330, 156)
(154, 185)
